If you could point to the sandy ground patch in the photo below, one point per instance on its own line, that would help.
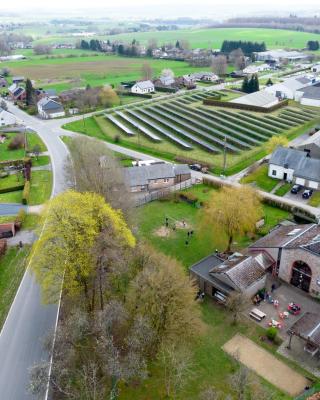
(163, 231)
(266, 365)
(166, 231)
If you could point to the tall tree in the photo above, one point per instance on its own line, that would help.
(276, 141)
(245, 85)
(219, 65)
(29, 93)
(233, 211)
(146, 71)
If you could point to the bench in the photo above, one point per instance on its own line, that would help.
(257, 314)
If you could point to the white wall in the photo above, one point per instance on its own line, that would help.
(280, 171)
(310, 102)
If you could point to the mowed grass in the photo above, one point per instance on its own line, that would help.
(6, 154)
(315, 200)
(151, 220)
(12, 268)
(64, 73)
(260, 179)
(213, 38)
(41, 187)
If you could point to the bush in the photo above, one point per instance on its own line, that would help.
(21, 216)
(26, 193)
(188, 197)
(17, 142)
(117, 139)
(272, 333)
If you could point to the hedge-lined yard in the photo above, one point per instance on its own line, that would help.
(260, 179)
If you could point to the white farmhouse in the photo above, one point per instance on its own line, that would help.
(143, 87)
(288, 88)
(297, 166)
(48, 108)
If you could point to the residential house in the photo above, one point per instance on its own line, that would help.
(7, 119)
(315, 68)
(18, 79)
(219, 278)
(279, 55)
(204, 76)
(311, 145)
(260, 98)
(156, 176)
(255, 69)
(143, 87)
(17, 93)
(309, 95)
(296, 250)
(289, 87)
(48, 108)
(296, 166)
(167, 80)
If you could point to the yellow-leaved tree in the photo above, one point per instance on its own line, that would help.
(232, 211)
(276, 141)
(65, 251)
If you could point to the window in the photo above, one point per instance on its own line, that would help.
(274, 172)
(166, 180)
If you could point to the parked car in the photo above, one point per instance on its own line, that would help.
(307, 193)
(296, 189)
(195, 167)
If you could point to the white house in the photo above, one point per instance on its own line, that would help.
(315, 68)
(204, 76)
(254, 69)
(288, 88)
(278, 55)
(48, 108)
(297, 166)
(143, 87)
(167, 80)
(260, 98)
(8, 119)
(309, 95)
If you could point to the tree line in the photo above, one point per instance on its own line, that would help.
(250, 85)
(313, 45)
(247, 47)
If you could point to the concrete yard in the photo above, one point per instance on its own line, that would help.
(266, 365)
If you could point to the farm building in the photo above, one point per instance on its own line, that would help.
(309, 95)
(156, 176)
(278, 55)
(297, 251)
(311, 145)
(204, 76)
(48, 108)
(18, 79)
(7, 119)
(297, 166)
(289, 87)
(261, 99)
(3, 82)
(143, 87)
(218, 278)
(254, 69)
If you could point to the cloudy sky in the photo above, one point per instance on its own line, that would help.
(169, 7)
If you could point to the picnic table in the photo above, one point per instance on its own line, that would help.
(275, 324)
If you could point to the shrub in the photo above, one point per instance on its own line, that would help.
(3, 247)
(117, 139)
(272, 333)
(17, 142)
(26, 193)
(188, 197)
(21, 216)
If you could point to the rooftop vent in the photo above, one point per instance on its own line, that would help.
(294, 232)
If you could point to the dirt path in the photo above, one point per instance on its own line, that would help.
(266, 365)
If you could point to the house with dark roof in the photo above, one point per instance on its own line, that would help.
(219, 278)
(143, 87)
(296, 250)
(48, 108)
(309, 95)
(289, 87)
(311, 145)
(155, 176)
(296, 166)
(17, 93)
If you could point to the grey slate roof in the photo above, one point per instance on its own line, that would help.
(145, 84)
(50, 105)
(297, 160)
(308, 327)
(140, 176)
(311, 92)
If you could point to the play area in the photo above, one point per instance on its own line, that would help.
(266, 365)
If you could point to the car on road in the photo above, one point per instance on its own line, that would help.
(307, 193)
(199, 168)
(296, 189)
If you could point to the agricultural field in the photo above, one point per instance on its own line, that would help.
(81, 69)
(205, 38)
(181, 128)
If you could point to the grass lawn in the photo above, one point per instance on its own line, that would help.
(34, 139)
(41, 187)
(11, 180)
(6, 154)
(260, 179)
(151, 218)
(40, 161)
(11, 197)
(314, 201)
(31, 221)
(284, 189)
(12, 267)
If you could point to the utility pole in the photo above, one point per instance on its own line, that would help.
(224, 155)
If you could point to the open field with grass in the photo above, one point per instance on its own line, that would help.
(181, 128)
(206, 38)
(315, 199)
(41, 187)
(12, 267)
(68, 72)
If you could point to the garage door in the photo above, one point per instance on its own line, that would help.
(300, 181)
(313, 185)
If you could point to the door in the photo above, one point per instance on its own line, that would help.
(285, 176)
(301, 275)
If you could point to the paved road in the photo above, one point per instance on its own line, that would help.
(28, 320)
(10, 209)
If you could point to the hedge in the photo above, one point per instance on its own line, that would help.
(143, 95)
(213, 102)
(166, 89)
(11, 189)
(26, 193)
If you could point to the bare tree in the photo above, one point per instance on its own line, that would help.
(237, 58)
(236, 304)
(239, 381)
(146, 71)
(210, 394)
(5, 49)
(41, 49)
(219, 65)
(94, 168)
